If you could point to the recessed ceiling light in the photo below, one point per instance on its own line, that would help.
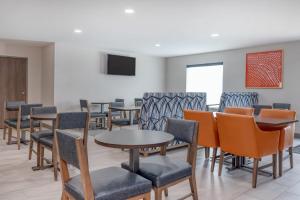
(157, 45)
(77, 31)
(129, 11)
(215, 35)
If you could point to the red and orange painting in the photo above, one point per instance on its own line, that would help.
(264, 69)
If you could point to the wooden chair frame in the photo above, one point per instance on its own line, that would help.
(18, 129)
(191, 159)
(97, 119)
(54, 147)
(84, 174)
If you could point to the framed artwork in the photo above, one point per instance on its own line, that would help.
(264, 69)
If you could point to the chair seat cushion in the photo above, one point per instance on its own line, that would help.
(24, 123)
(40, 134)
(97, 115)
(47, 141)
(110, 183)
(162, 170)
(121, 122)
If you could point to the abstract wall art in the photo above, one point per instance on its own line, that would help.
(264, 69)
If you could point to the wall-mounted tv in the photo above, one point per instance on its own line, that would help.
(120, 65)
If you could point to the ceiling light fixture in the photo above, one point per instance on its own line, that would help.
(129, 11)
(215, 35)
(78, 31)
(157, 45)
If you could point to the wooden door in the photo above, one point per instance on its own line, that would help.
(13, 82)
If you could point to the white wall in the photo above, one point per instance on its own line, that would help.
(80, 73)
(48, 75)
(234, 73)
(34, 55)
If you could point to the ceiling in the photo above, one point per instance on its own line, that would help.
(180, 26)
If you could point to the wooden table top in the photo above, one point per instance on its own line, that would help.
(273, 121)
(44, 117)
(131, 139)
(126, 108)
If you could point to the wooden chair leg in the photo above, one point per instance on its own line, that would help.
(40, 155)
(54, 161)
(221, 163)
(254, 175)
(291, 157)
(213, 161)
(64, 196)
(206, 149)
(193, 186)
(274, 163)
(4, 132)
(9, 135)
(30, 149)
(280, 160)
(147, 196)
(19, 138)
(158, 193)
(166, 191)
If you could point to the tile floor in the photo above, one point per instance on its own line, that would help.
(18, 181)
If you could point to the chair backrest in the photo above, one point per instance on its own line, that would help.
(207, 130)
(25, 109)
(282, 106)
(239, 110)
(43, 110)
(13, 105)
(74, 120)
(237, 133)
(276, 113)
(120, 100)
(138, 101)
(257, 108)
(117, 104)
(237, 99)
(186, 131)
(72, 151)
(84, 106)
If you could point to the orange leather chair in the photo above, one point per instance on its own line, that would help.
(239, 135)
(239, 110)
(286, 139)
(207, 132)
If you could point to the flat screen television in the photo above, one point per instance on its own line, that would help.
(120, 65)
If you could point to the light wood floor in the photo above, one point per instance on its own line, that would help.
(18, 181)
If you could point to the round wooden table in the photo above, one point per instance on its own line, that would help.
(134, 140)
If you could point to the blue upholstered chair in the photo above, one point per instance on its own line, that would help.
(138, 101)
(9, 106)
(109, 183)
(22, 123)
(164, 171)
(68, 120)
(282, 106)
(237, 99)
(97, 117)
(35, 136)
(258, 108)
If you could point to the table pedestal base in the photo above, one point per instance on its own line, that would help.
(134, 159)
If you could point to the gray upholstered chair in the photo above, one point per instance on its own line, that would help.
(282, 106)
(35, 136)
(95, 117)
(164, 171)
(22, 123)
(9, 106)
(68, 120)
(115, 117)
(258, 108)
(138, 101)
(108, 183)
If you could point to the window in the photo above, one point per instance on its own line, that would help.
(206, 78)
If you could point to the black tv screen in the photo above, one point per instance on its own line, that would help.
(120, 65)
